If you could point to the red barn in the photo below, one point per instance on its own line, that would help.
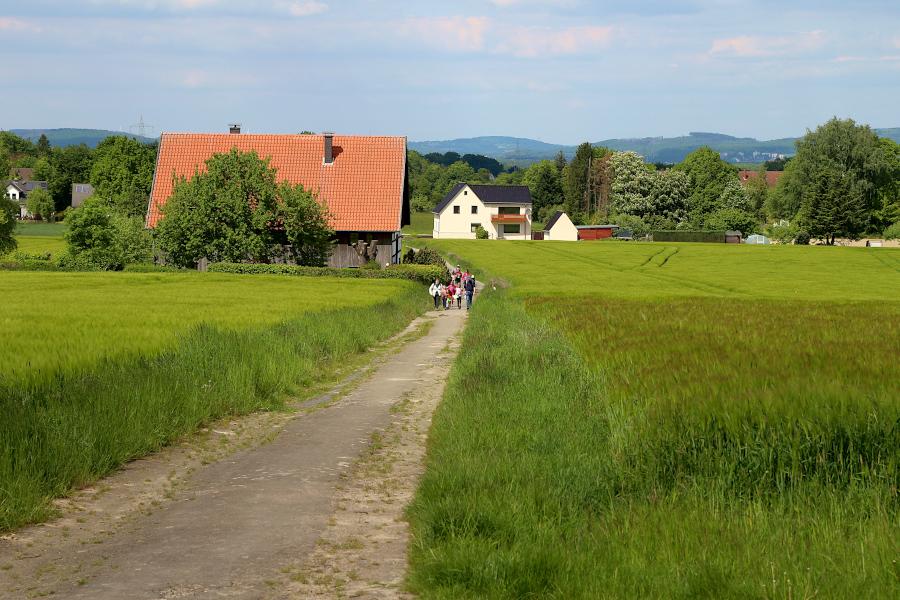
(596, 232)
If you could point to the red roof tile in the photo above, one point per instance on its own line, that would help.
(772, 177)
(363, 187)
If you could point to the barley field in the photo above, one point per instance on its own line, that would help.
(664, 420)
(101, 368)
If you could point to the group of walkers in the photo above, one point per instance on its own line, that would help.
(461, 283)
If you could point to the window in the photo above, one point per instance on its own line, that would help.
(512, 228)
(455, 210)
(509, 210)
(474, 210)
(474, 227)
(466, 193)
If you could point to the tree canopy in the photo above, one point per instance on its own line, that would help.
(122, 173)
(235, 211)
(838, 179)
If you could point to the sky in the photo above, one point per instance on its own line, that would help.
(563, 71)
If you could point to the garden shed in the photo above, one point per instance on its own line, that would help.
(596, 232)
(560, 227)
(757, 239)
(733, 237)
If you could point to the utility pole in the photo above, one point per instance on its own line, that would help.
(140, 128)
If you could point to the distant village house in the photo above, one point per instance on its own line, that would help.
(18, 190)
(80, 193)
(504, 211)
(772, 177)
(361, 179)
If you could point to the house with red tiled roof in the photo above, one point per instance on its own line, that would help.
(361, 179)
(772, 177)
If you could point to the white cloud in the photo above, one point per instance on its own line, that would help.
(307, 9)
(459, 34)
(536, 42)
(747, 46)
(481, 34)
(14, 24)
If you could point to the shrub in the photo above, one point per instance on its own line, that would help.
(689, 236)
(636, 224)
(425, 256)
(372, 265)
(892, 232)
(802, 238)
(782, 232)
(424, 274)
(100, 239)
(481, 233)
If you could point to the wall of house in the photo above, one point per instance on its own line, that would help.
(344, 254)
(563, 229)
(449, 225)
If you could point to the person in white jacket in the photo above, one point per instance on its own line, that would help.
(436, 292)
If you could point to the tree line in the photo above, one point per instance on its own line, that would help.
(844, 181)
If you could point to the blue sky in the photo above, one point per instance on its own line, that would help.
(562, 71)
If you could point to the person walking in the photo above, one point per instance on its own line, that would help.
(451, 292)
(435, 291)
(458, 297)
(470, 290)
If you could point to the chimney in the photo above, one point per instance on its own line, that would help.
(329, 148)
(234, 128)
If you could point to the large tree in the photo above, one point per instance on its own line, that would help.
(837, 178)
(8, 210)
(305, 225)
(40, 204)
(575, 181)
(122, 173)
(709, 175)
(632, 184)
(71, 164)
(236, 212)
(543, 181)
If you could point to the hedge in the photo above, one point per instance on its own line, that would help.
(421, 273)
(689, 236)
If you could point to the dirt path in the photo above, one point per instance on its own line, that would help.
(316, 511)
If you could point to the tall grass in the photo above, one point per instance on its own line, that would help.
(72, 425)
(69, 321)
(710, 428)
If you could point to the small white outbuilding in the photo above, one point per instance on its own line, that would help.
(757, 239)
(560, 227)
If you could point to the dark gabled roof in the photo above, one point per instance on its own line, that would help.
(553, 220)
(27, 186)
(448, 198)
(490, 194)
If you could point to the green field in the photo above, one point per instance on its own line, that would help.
(40, 238)
(421, 223)
(650, 420)
(99, 368)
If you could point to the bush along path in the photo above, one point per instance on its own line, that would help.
(315, 511)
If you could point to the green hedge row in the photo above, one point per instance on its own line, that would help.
(689, 236)
(421, 273)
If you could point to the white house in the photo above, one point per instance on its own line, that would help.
(560, 227)
(18, 191)
(503, 210)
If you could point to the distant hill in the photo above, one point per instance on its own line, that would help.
(72, 137)
(511, 150)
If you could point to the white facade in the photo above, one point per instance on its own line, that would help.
(13, 193)
(562, 229)
(465, 212)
